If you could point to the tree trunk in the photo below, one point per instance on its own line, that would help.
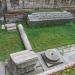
(55, 3)
(4, 11)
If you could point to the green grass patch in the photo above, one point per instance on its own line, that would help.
(9, 43)
(42, 38)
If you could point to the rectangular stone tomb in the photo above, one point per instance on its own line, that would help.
(46, 17)
(22, 62)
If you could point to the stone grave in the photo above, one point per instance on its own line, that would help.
(22, 62)
(47, 17)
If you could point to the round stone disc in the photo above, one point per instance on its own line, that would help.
(52, 54)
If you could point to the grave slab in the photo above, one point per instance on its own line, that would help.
(49, 17)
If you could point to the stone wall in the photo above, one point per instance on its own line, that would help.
(40, 4)
(14, 17)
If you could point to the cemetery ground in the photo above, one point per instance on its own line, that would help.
(9, 43)
(41, 38)
(52, 36)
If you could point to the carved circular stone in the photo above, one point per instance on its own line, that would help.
(52, 54)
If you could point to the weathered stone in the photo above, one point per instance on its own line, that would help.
(46, 17)
(22, 62)
(52, 57)
(10, 27)
(24, 37)
(69, 61)
(2, 68)
(3, 27)
(40, 68)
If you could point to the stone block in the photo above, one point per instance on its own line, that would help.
(13, 28)
(46, 17)
(10, 25)
(22, 62)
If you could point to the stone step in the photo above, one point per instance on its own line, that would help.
(12, 28)
(10, 25)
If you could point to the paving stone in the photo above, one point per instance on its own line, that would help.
(10, 27)
(2, 68)
(41, 66)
